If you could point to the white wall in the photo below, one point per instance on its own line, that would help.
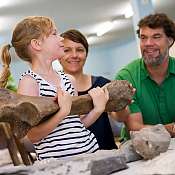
(172, 50)
(107, 60)
(17, 68)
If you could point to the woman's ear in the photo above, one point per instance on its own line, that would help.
(36, 44)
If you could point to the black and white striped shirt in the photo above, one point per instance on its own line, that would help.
(70, 137)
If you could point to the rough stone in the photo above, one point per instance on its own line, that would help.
(128, 150)
(151, 141)
(101, 162)
(160, 165)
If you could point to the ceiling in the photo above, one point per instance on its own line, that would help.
(85, 15)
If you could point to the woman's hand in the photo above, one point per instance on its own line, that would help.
(100, 97)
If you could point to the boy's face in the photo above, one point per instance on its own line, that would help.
(53, 45)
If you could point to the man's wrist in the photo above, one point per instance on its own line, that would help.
(173, 127)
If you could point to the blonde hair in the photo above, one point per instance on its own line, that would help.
(33, 27)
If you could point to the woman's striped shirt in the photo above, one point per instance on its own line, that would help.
(70, 137)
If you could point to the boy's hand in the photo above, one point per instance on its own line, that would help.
(64, 100)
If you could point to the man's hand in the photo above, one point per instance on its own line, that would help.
(170, 128)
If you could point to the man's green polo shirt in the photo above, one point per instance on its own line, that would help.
(155, 102)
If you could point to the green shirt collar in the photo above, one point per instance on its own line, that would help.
(144, 72)
(171, 68)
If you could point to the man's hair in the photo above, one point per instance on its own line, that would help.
(76, 36)
(158, 20)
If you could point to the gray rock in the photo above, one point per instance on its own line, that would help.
(107, 166)
(172, 144)
(128, 150)
(151, 141)
(99, 163)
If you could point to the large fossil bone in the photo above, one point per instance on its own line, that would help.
(23, 112)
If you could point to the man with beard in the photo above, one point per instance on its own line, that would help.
(153, 75)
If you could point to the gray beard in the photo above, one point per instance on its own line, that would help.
(157, 60)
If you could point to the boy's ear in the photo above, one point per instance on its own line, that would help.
(36, 44)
